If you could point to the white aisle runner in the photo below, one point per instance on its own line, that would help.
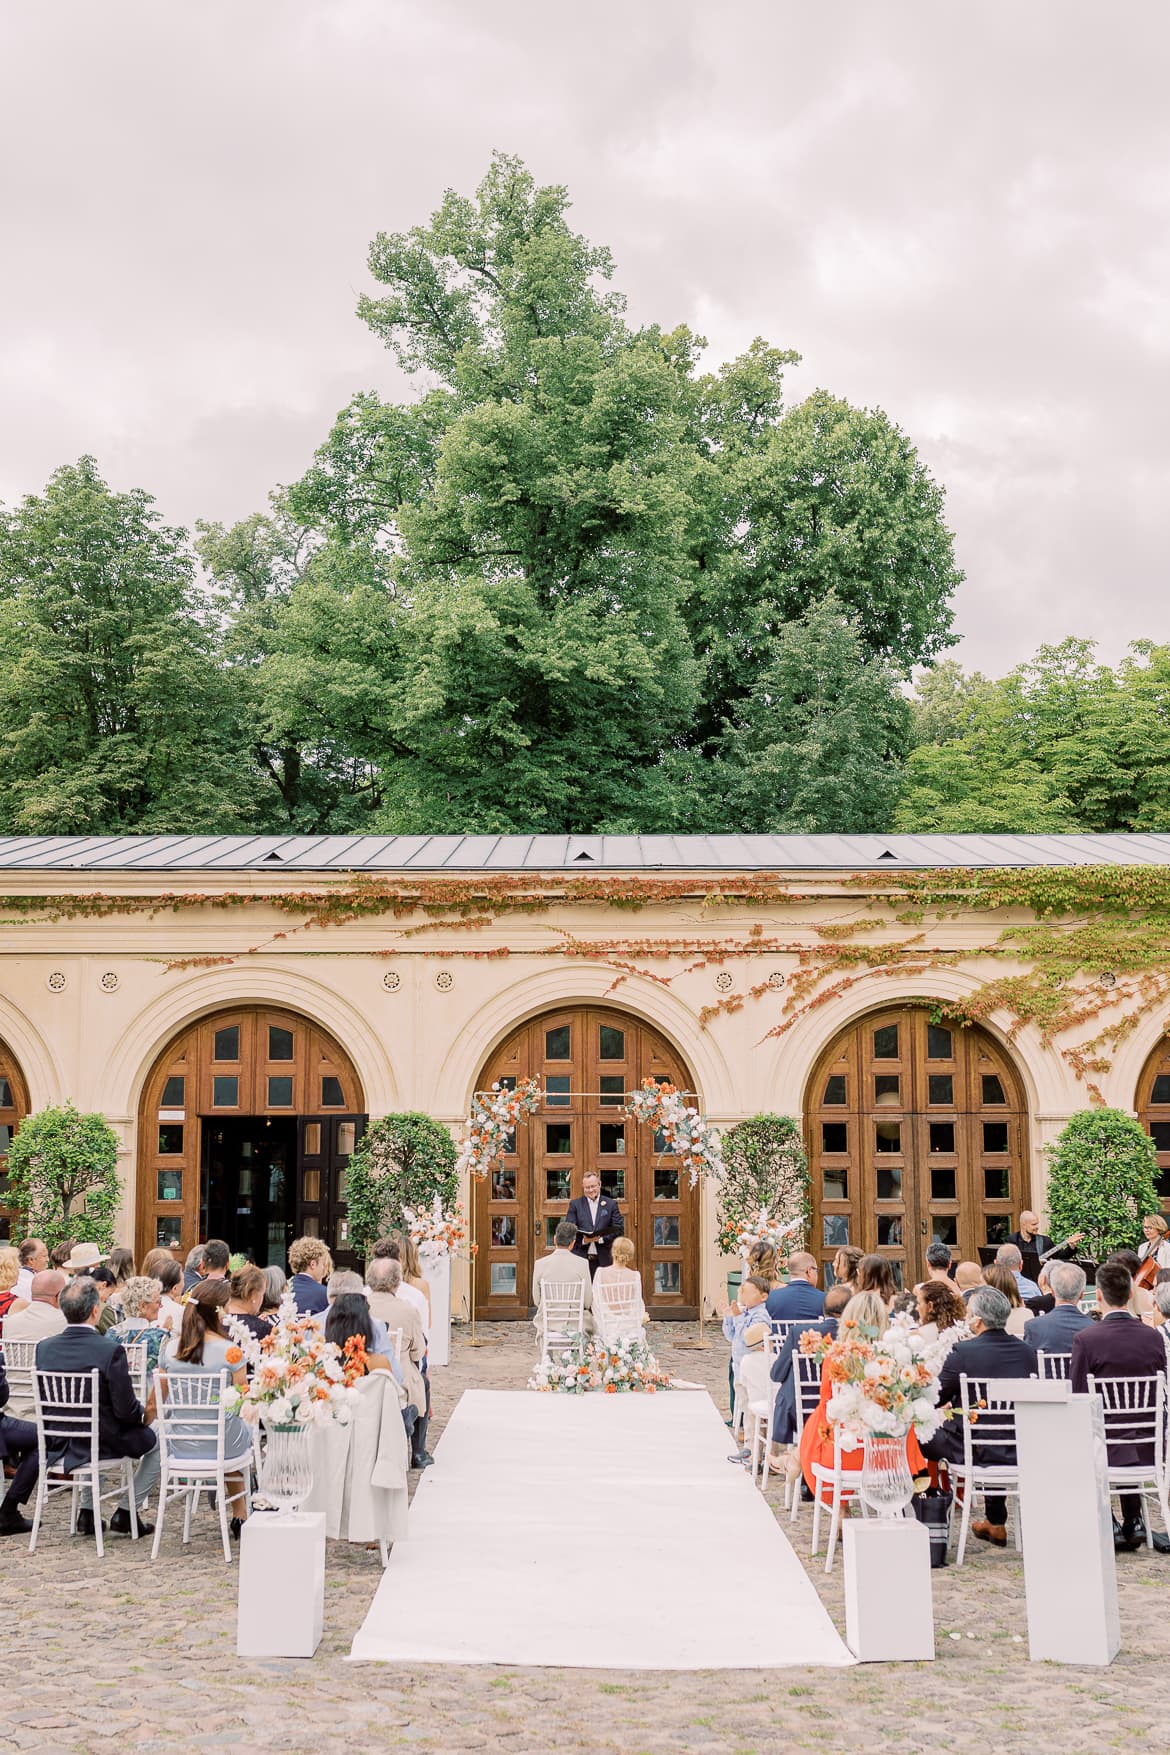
(601, 1531)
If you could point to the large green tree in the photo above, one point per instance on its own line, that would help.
(115, 713)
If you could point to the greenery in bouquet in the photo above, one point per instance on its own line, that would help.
(765, 1186)
(494, 1115)
(295, 1376)
(587, 1364)
(882, 1386)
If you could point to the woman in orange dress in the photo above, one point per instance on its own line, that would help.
(868, 1310)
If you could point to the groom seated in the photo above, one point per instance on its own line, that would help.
(562, 1268)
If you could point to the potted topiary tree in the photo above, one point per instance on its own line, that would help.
(1102, 1180)
(63, 1176)
(406, 1163)
(765, 1169)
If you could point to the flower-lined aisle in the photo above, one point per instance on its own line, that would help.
(586, 1364)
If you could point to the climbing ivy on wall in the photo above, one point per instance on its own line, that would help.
(1081, 952)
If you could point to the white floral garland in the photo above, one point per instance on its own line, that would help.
(685, 1131)
(494, 1115)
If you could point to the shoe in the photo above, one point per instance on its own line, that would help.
(422, 1462)
(995, 1533)
(1161, 1543)
(234, 1528)
(11, 1522)
(85, 1522)
(738, 1456)
(1132, 1536)
(120, 1524)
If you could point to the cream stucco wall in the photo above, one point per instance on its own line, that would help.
(423, 1045)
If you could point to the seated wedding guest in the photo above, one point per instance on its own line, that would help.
(215, 1259)
(939, 1309)
(1120, 1346)
(413, 1276)
(141, 1305)
(561, 1268)
(800, 1299)
(1003, 1279)
(1008, 1256)
(783, 1370)
(203, 1346)
(968, 1278)
(103, 1278)
(874, 1274)
(40, 1317)
(904, 1304)
(275, 1281)
(349, 1318)
(34, 1259)
(1141, 1300)
(122, 1426)
(392, 1247)
(844, 1266)
(622, 1271)
(868, 1310)
(193, 1269)
(386, 1303)
(1055, 1330)
(343, 1281)
(18, 1448)
(990, 1352)
(746, 1326)
(169, 1275)
(1158, 1318)
(939, 1264)
(763, 1260)
(311, 1265)
(9, 1271)
(248, 1287)
(122, 1265)
(60, 1253)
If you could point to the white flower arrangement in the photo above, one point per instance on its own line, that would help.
(440, 1232)
(296, 1376)
(619, 1368)
(685, 1131)
(882, 1387)
(494, 1115)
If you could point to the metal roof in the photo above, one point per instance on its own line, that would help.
(460, 854)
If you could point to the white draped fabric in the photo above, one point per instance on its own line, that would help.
(360, 1469)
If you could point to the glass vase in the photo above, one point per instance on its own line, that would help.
(286, 1474)
(886, 1484)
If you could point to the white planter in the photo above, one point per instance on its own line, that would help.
(437, 1273)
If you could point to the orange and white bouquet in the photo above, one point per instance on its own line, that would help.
(881, 1387)
(295, 1376)
(442, 1231)
(494, 1115)
(586, 1364)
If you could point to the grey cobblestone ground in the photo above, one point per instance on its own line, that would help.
(115, 1654)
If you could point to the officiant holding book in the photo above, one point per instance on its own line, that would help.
(598, 1220)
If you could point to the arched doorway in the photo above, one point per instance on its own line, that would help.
(245, 1128)
(13, 1109)
(1153, 1111)
(917, 1132)
(586, 1058)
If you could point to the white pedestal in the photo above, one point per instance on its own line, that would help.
(1070, 1574)
(437, 1274)
(282, 1585)
(889, 1608)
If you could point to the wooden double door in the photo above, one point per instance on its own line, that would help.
(917, 1133)
(587, 1060)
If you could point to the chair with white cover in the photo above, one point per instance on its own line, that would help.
(135, 1352)
(806, 1384)
(191, 1409)
(1135, 1415)
(66, 1411)
(755, 1372)
(843, 1484)
(18, 1357)
(1054, 1365)
(990, 1424)
(394, 1336)
(617, 1311)
(562, 1314)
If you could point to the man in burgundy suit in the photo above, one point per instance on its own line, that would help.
(1120, 1345)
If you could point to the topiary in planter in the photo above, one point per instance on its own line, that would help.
(63, 1177)
(764, 1165)
(1102, 1174)
(400, 1161)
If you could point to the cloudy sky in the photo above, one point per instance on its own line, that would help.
(959, 214)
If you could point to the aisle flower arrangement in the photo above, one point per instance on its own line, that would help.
(624, 1366)
(883, 1388)
(296, 1376)
(764, 1230)
(686, 1133)
(494, 1115)
(442, 1231)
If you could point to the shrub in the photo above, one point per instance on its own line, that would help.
(764, 1165)
(1102, 1181)
(63, 1176)
(400, 1161)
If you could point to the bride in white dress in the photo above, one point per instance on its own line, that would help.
(618, 1308)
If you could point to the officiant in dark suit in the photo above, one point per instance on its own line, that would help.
(598, 1220)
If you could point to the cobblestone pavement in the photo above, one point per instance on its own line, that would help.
(112, 1654)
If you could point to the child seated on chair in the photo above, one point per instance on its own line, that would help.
(746, 1326)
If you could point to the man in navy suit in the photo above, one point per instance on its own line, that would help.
(122, 1430)
(799, 1300)
(783, 1369)
(1056, 1331)
(1120, 1345)
(991, 1352)
(598, 1220)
